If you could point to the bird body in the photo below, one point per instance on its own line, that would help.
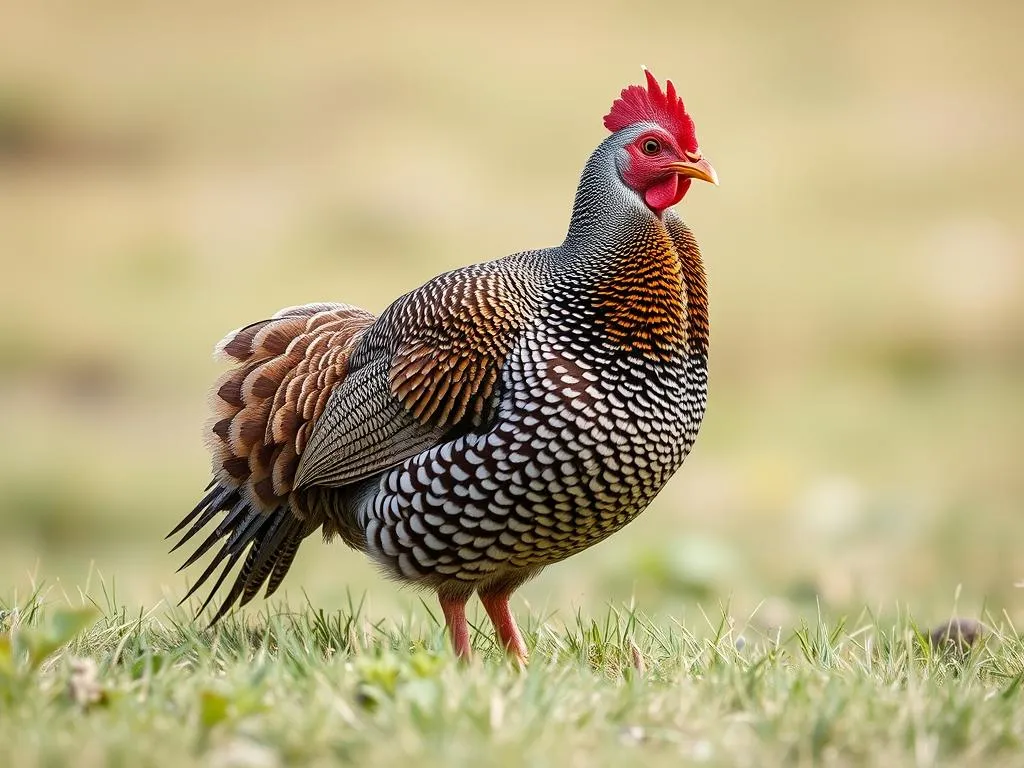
(498, 419)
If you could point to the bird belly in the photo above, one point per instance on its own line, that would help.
(580, 446)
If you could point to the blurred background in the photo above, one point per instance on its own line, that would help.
(170, 171)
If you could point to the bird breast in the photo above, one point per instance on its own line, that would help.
(580, 445)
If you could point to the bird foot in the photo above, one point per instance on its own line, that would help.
(458, 628)
(505, 627)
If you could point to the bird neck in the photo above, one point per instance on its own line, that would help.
(605, 212)
(644, 280)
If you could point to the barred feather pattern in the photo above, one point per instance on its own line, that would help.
(603, 394)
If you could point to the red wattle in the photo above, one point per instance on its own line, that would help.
(665, 193)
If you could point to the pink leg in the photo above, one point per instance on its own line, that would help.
(454, 610)
(497, 608)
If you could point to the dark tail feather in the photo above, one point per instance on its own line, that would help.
(212, 503)
(269, 541)
(238, 510)
(281, 566)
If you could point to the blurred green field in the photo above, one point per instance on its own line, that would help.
(171, 171)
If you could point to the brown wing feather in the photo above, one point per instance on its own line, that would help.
(445, 369)
(264, 407)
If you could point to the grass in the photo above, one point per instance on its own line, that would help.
(307, 687)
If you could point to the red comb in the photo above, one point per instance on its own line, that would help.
(652, 105)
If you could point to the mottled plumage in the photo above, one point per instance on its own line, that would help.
(500, 418)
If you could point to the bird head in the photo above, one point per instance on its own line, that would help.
(658, 155)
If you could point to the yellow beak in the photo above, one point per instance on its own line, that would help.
(699, 169)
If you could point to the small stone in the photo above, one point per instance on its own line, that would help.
(632, 735)
(956, 635)
(84, 686)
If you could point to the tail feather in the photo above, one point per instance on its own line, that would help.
(264, 407)
(210, 568)
(233, 513)
(286, 537)
(268, 542)
(240, 580)
(281, 566)
(285, 369)
(204, 510)
(225, 606)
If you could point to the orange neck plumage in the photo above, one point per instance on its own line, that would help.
(655, 303)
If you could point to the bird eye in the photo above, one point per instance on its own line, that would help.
(651, 147)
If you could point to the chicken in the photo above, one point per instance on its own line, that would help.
(500, 418)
